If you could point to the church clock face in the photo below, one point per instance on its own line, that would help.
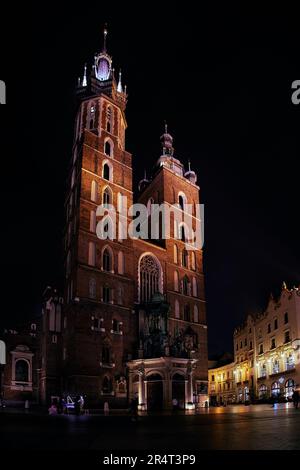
(103, 69)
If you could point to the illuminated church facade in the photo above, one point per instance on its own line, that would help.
(133, 320)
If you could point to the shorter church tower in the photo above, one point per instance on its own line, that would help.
(172, 356)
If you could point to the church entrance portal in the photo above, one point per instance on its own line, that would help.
(178, 391)
(154, 392)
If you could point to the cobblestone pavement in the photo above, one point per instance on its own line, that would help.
(257, 427)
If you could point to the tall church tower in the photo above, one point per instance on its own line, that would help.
(99, 296)
(134, 317)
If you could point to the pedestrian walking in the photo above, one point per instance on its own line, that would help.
(106, 409)
(295, 398)
(175, 403)
(77, 405)
(134, 408)
(85, 406)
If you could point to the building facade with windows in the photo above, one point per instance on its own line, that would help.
(33, 355)
(221, 381)
(267, 351)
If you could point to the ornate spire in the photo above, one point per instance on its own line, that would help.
(84, 80)
(119, 88)
(105, 32)
(284, 286)
(167, 142)
(144, 182)
(190, 174)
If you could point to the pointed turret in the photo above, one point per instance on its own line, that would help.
(190, 175)
(144, 182)
(119, 88)
(84, 80)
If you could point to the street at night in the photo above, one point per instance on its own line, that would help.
(257, 427)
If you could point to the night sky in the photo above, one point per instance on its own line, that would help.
(222, 80)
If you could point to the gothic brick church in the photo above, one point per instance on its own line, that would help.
(132, 321)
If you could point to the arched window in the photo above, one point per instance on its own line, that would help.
(108, 228)
(275, 389)
(91, 118)
(182, 233)
(92, 254)
(195, 290)
(108, 148)
(121, 262)
(121, 202)
(106, 172)
(150, 277)
(196, 314)
(262, 391)
(176, 281)
(105, 229)
(107, 196)
(22, 371)
(109, 119)
(107, 382)
(177, 309)
(106, 294)
(193, 260)
(185, 285)
(184, 258)
(149, 205)
(289, 388)
(187, 313)
(92, 288)
(93, 221)
(175, 254)
(94, 191)
(107, 259)
(181, 200)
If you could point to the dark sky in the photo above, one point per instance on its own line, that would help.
(222, 80)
